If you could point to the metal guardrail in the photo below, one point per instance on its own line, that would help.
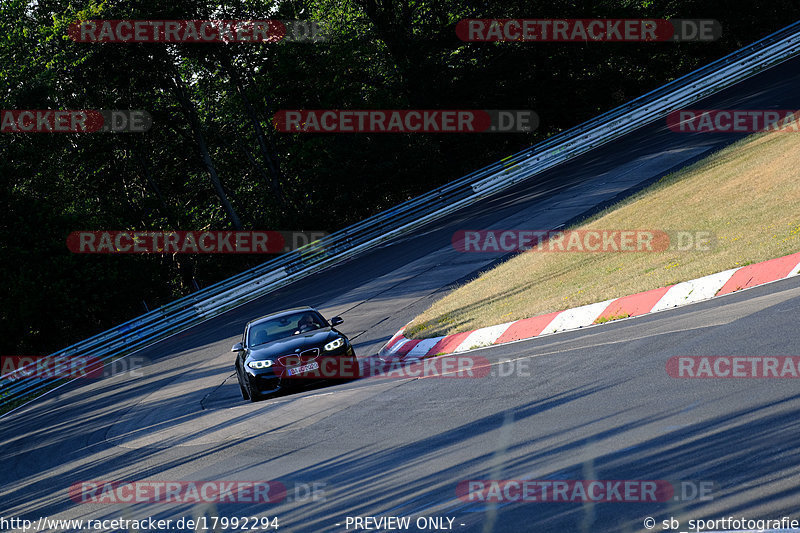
(216, 299)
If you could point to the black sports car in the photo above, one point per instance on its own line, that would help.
(290, 348)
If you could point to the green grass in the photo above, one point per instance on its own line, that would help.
(747, 195)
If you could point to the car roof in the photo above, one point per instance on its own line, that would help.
(280, 314)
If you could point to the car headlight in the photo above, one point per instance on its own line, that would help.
(259, 364)
(338, 343)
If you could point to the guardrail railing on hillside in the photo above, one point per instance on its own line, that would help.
(216, 299)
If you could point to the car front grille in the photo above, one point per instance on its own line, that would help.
(298, 359)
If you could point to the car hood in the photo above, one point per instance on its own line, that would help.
(290, 345)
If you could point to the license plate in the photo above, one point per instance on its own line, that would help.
(301, 369)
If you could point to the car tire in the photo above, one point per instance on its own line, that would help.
(245, 395)
(251, 396)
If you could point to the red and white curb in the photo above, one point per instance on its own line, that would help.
(643, 303)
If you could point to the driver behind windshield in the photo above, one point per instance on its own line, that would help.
(306, 323)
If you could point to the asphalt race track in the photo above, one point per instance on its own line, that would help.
(590, 404)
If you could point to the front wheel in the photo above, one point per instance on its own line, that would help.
(245, 393)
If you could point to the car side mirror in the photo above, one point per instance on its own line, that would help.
(237, 347)
(335, 321)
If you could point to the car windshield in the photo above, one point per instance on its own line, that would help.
(284, 326)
